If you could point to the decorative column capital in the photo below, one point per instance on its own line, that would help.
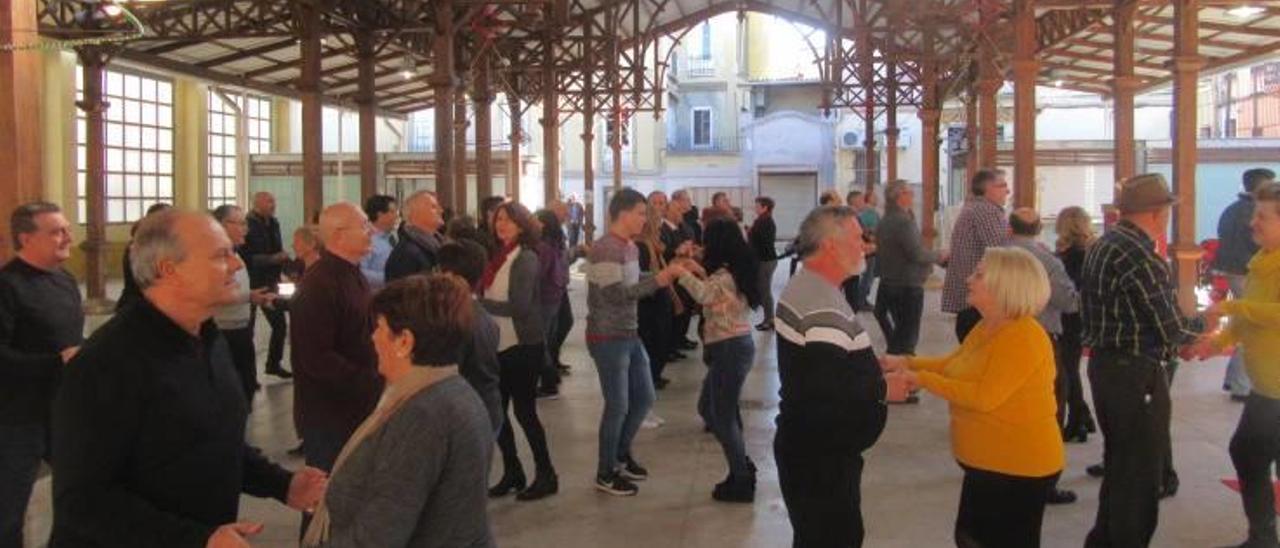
(989, 86)
(1125, 83)
(1025, 67)
(1187, 63)
(892, 132)
(929, 115)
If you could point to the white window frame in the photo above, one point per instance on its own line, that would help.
(711, 127)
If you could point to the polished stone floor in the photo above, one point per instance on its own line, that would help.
(910, 484)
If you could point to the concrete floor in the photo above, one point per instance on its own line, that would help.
(910, 483)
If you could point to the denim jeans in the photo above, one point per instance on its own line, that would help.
(865, 280)
(728, 363)
(627, 387)
(21, 448)
(1237, 380)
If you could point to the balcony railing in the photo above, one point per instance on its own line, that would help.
(699, 67)
(685, 144)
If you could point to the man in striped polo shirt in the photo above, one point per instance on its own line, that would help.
(832, 392)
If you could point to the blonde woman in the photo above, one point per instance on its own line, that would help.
(657, 311)
(999, 383)
(1075, 235)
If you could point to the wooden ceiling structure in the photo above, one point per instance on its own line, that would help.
(609, 58)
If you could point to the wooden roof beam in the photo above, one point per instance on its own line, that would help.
(247, 53)
(1218, 27)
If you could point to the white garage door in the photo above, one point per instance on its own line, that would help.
(796, 194)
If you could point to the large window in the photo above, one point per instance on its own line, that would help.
(139, 144)
(224, 110)
(702, 127)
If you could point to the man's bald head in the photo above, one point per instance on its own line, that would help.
(1025, 221)
(345, 231)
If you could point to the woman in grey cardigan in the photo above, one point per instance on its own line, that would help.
(413, 474)
(509, 291)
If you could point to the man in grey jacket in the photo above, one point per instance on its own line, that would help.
(904, 265)
(1024, 224)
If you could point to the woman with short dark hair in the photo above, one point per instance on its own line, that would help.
(413, 473)
(509, 291)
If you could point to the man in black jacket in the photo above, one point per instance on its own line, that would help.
(149, 423)
(763, 236)
(263, 253)
(680, 237)
(833, 392)
(419, 237)
(41, 328)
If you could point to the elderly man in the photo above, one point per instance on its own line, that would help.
(981, 224)
(1024, 223)
(680, 237)
(337, 382)
(1133, 325)
(905, 264)
(419, 237)
(833, 393)
(385, 218)
(264, 256)
(149, 425)
(41, 327)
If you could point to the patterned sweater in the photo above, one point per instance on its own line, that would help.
(614, 284)
(725, 311)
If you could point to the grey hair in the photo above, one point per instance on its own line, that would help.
(414, 200)
(155, 241)
(23, 219)
(892, 191)
(821, 223)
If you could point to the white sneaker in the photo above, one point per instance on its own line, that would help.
(652, 421)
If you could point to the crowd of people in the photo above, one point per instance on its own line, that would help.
(414, 332)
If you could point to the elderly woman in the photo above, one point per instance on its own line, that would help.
(1253, 321)
(413, 474)
(999, 382)
(236, 320)
(1075, 235)
(509, 292)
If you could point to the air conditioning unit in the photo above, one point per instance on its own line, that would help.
(851, 140)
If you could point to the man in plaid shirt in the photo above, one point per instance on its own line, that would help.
(1132, 325)
(981, 224)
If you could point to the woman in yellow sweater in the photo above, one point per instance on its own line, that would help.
(999, 382)
(1254, 321)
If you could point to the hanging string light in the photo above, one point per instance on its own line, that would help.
(95, 14)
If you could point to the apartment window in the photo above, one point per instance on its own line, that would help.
(702, 126)
(138, 142)
(223, 129)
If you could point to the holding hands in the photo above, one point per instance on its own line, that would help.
(307, 489)
(262, 297)
(233, 535)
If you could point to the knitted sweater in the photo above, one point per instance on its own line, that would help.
(724, 310)
(614, 284)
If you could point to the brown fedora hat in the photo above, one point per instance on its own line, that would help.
(1146, 192)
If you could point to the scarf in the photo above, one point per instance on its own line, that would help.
(495, 264)
(396, 394)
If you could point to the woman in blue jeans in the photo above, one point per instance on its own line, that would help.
(614, 284)
(727, 297)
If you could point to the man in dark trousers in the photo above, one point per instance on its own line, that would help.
(263, 252)
(1133, 325)
(149, 424)
(415, 253)
(478, 358)
(833, 392)
(680, 237)
(576, 215)
(41, 328)
(337, 382)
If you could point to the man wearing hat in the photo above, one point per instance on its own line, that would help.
(1133, 325)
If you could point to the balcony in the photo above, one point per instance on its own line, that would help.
(698, 67)
(684, 145)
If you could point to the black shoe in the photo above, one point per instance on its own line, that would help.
(562, 369)
(1096, 470)
(765, 326)
(631, 470)
(735, 489)
(1089, 423)
(510, 483)
(1239, 398)
(1170, 485)
(751, 465)
(543, 486)
(616, 485)
(296, 451)
(676, 356)
(1060, 496)
(280, 372)
(1075, 433)
(549, 393)
(687, 344)
(661, 382)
